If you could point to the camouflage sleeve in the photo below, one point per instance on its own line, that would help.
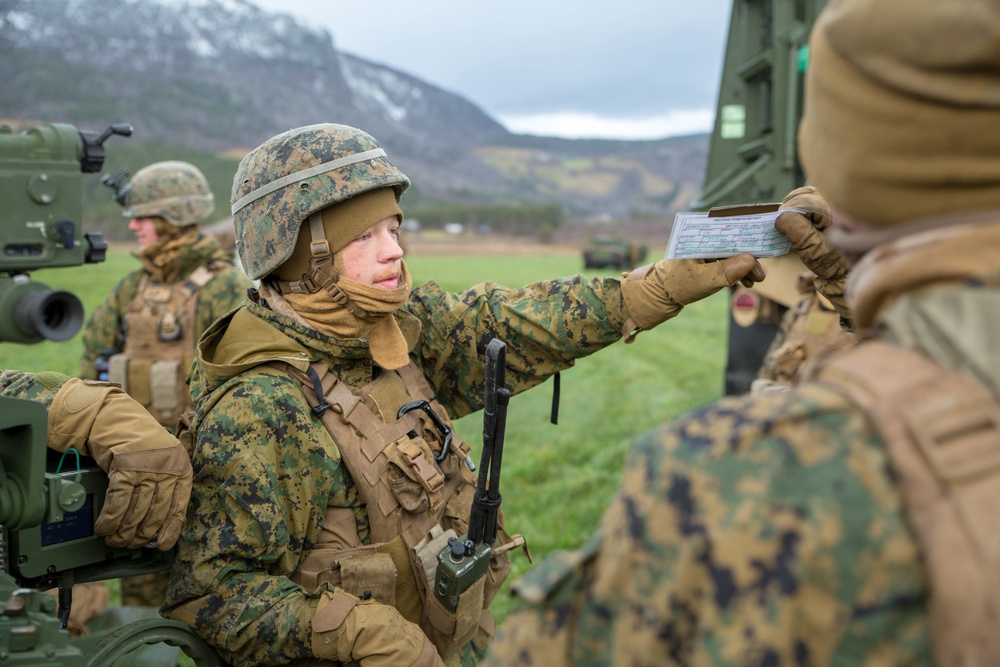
(101, 330)
(223, 293)
(758, 531)
(39, 387)
(262, 481)
(546, 326)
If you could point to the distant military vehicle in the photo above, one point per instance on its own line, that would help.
(753, 156)
(604, 250)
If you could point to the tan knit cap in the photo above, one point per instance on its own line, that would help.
(342, 223)
(902, 107)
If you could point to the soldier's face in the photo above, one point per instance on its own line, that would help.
(144, 230)
(374, 257)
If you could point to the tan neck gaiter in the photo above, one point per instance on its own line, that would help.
(162, 259)
(369, 315)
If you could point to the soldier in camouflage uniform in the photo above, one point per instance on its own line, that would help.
(850, 520)
(157, 312)
(143, 334)
(100, 421)
(328, 475)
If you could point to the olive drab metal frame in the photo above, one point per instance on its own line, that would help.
(48, 509)
(752, 154)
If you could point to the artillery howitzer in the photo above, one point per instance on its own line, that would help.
(49, 502)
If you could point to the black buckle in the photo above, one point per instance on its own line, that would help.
(426, 407)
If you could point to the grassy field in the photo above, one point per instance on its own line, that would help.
(556, 479)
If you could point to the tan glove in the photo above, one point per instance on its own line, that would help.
(149, 473)
(805, 231)
(656, 292)
(347, 629)
(89, 601)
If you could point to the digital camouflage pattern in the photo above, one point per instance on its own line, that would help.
(759, 531)
(223, 293)
(38, 387)
(268, 218)
(266, 468)
(176, 191)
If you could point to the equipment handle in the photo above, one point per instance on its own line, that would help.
(486, 502)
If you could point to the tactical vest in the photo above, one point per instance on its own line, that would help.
(160, 341)
(810, 331)
(393, 438)
(942, 432)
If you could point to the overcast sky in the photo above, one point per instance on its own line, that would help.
(632, 69)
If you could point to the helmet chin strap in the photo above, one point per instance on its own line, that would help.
(321, 274)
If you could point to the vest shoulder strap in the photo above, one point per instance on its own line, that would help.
(941, 429)
(202, 275)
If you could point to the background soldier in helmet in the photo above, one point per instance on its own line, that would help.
(146, 329)
(852, 519)
(323, 497)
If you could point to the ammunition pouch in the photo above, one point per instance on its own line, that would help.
(159, 386)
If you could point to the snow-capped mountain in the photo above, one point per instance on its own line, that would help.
(222, 76)
(230, 74)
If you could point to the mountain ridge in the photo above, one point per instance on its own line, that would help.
(224, 75)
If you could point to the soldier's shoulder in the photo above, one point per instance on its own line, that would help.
(128, 284)
(756, 424)
(263, 392)
(33, 386)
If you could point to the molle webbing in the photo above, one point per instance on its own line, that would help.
(363, 438)
(942, 432)
(398, 526)
(160, 342)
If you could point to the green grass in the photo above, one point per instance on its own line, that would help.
(556, 479)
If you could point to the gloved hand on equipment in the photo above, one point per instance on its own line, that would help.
(656, 292)
(149, 472)
(347, 630)
(805, 231)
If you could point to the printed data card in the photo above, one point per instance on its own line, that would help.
(700, 236)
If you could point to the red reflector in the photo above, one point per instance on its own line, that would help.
(745, 300)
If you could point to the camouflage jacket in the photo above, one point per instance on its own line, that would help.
(266, 469)
(761, 530)
(769, 529)
(223, 293)
(39, 387)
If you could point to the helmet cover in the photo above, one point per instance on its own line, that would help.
(176, 191)
(294, 174)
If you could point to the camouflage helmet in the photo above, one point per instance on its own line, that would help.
(176, 191)
(294, 174)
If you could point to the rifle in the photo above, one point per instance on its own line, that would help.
(466, 559)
